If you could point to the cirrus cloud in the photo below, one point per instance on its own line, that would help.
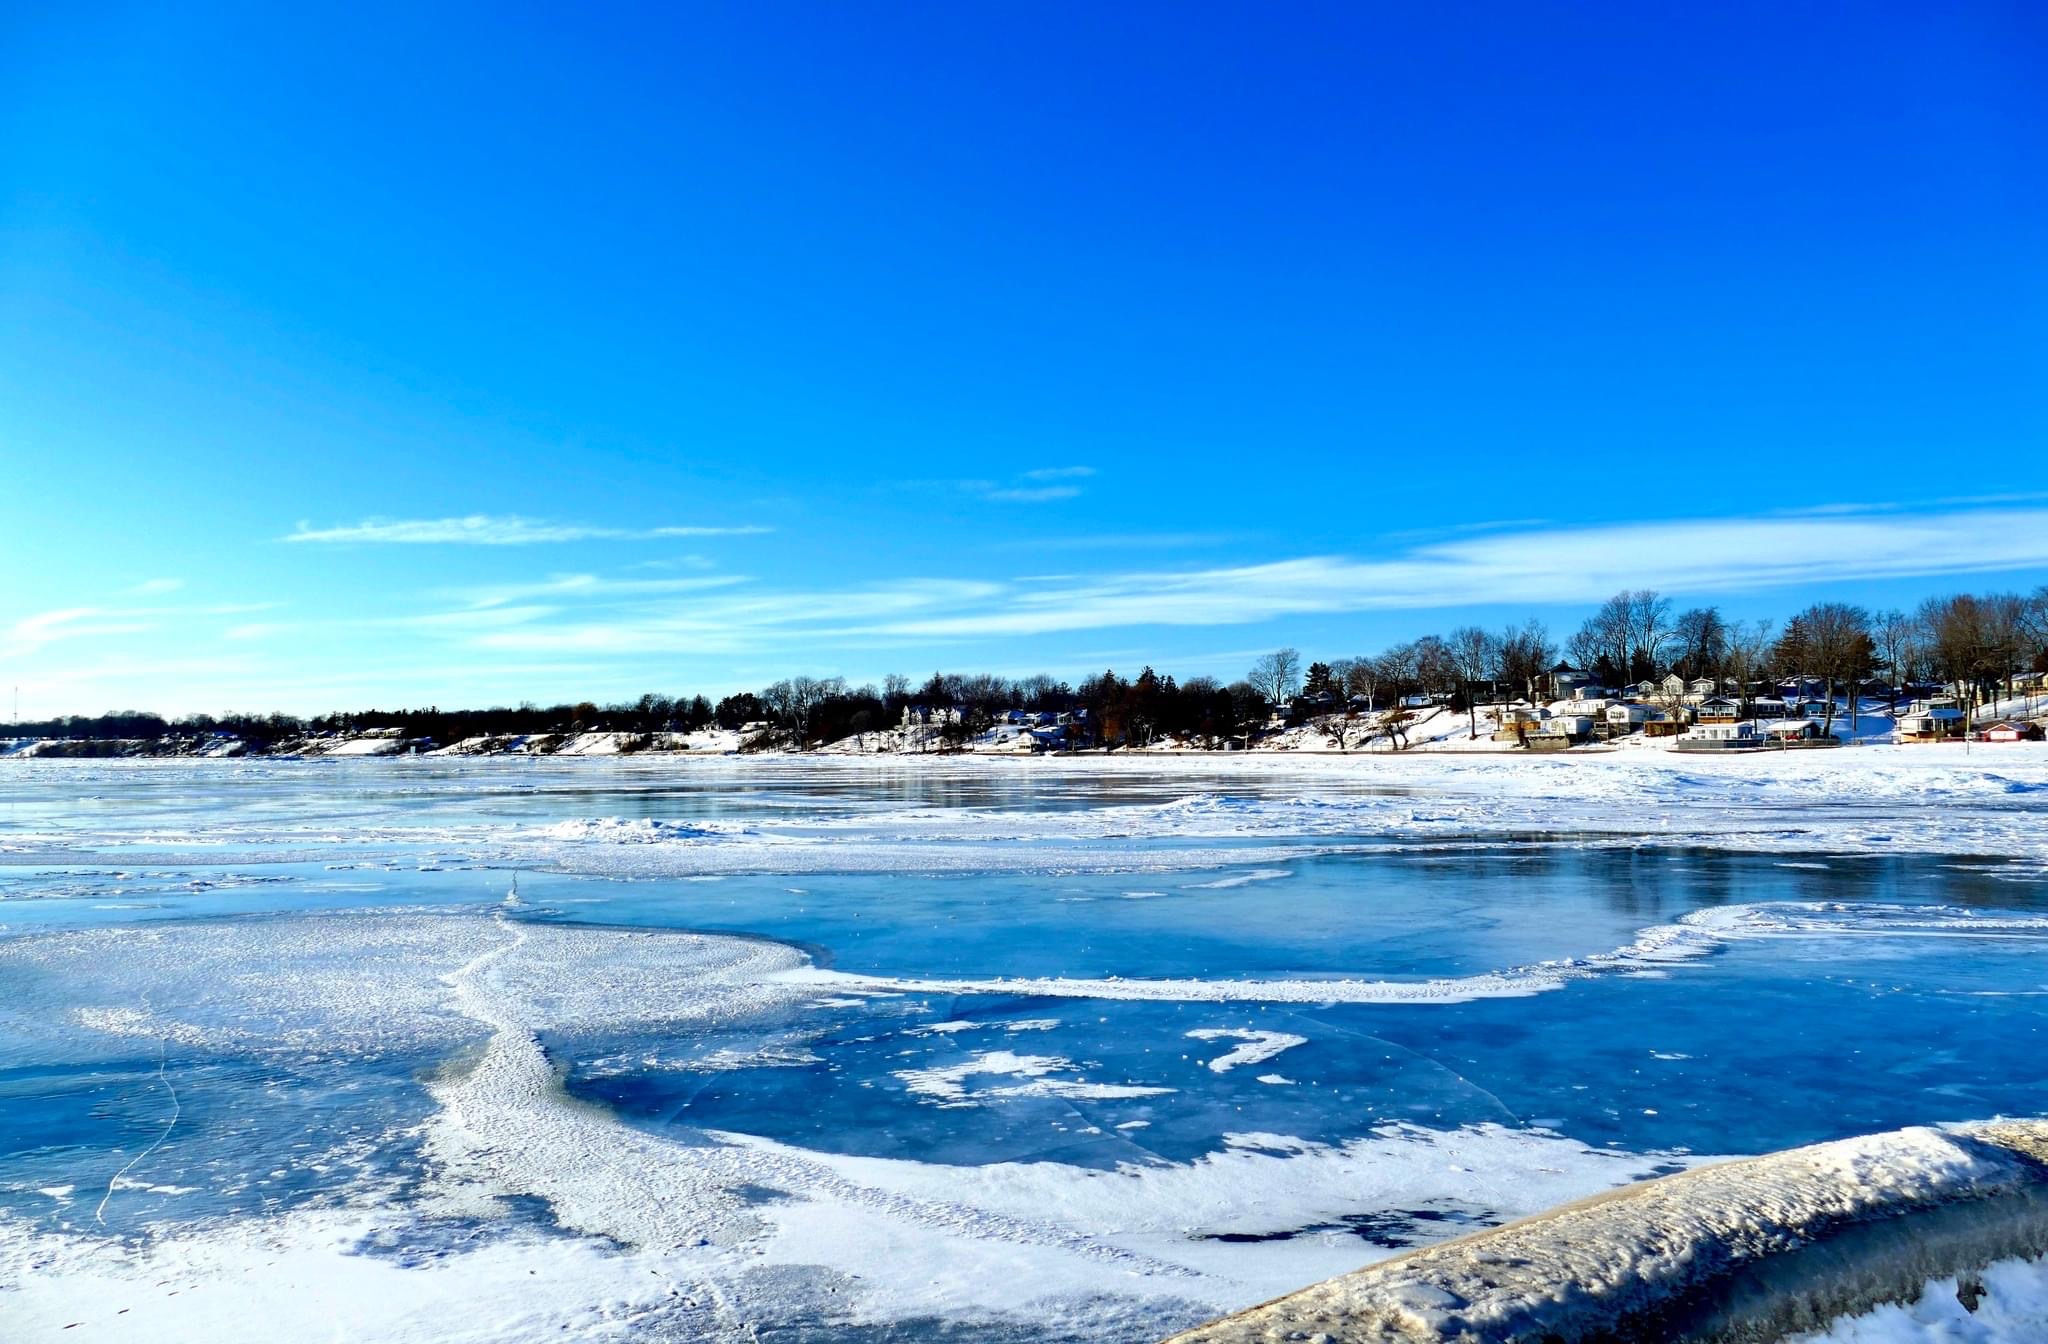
(483, 529)
(1532, 567)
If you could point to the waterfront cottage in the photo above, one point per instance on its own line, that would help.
(1934, 723)
(1795, 731)
(1632, 718)
(1739, 736)
(1562, 730)
(1520, 723)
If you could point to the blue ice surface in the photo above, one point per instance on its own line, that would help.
(1762, 1045)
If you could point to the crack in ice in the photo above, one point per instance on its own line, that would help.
(177, 1108)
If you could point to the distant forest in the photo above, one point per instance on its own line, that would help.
(1974, 643)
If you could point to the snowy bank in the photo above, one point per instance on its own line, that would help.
(1762, 1249)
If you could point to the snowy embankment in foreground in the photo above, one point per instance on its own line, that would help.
(1838, 1237)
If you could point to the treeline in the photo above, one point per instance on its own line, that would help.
(1974, 642)
(797, 711)
(1967, 640)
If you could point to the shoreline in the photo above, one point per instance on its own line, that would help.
(1946, 752)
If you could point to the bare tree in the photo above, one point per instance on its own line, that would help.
(1604, 642)
(2005, 620)
(1524, 655)
(1396, 668)
(1897, 640)
(1040, 692)
(1649, 629)
(1473, 653)
(792, 702)
(1586, 649)
(1345, 673)
(2034, 623)
(1436, 669)
(1959, 643)
(1749, 645)
(1833, 640)
(1701, 637)
(1394, 723)
(1276, 675)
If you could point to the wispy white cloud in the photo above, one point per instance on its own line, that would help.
(748, 621)
(1895, 506)
(480, 529)
(587, 587)
(1040, 485)
(1126, 541)
(1527, 568)
(156, 587)
(1032, 494)
(32, 633)
(1445, 531)
(1530, 568)
(699, 562)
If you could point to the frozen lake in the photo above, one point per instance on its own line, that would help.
(809, 1051)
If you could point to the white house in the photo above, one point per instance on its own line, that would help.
(1571, 727)
(1935, 723)
(1795, 730)
(1721, 737)
(1630, 717)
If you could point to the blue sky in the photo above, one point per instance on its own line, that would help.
(367, 356)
